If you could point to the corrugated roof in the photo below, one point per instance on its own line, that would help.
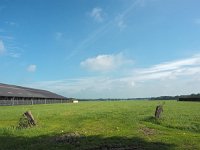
(19, 91)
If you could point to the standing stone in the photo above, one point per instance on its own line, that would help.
(30, 118)
(159, 110)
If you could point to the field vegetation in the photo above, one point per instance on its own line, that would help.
(103, 125)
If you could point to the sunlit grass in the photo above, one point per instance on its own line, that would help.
(179, 125)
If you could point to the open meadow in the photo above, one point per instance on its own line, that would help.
(103, 125)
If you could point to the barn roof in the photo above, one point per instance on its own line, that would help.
(19, 91)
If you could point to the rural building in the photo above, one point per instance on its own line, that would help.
(18, 95)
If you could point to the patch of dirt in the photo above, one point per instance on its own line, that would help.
(68, 138)
(147, 131)
(115, 147)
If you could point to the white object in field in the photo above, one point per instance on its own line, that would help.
(75, 101)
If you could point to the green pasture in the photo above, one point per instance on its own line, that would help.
(103, 125)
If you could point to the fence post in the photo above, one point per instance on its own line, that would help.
(13, 101)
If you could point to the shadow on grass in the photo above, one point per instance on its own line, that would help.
(194, 127)
(79, 142)
(153, 120)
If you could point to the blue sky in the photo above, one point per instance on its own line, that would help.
(101, 48)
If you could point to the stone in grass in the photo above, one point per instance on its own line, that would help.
(159, 110)
(27, 120)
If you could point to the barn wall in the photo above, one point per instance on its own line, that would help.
(5, 101)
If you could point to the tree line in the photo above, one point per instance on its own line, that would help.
(175, 97)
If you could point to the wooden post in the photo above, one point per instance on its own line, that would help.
(31, 101)
(13, 101)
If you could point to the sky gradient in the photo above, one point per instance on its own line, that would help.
(101, 48)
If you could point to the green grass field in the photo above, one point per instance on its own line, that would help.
(103, 125)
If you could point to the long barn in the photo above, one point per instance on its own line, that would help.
(18, 95)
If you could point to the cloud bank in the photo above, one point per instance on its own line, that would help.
(168, 78)
(173, 69)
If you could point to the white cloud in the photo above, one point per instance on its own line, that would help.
(93, 87)
(31, 68)
(9, 51)
(2, 47)
(14, 54)
(120, 19)
(11, 23)
(5, 37)
(58, 35)
(197, 21)
(120, 22)
(169, 78)
(104, 63)
(100, 16)
(170, 70)
(97, 14)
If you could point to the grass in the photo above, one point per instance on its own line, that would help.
(103, 125)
